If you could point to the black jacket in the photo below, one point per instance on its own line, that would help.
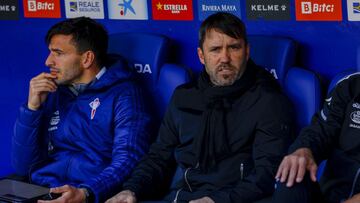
(259, 128)
(335, 135)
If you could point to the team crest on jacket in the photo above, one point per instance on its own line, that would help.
(355, 117)
(54, 120)
(94, 105)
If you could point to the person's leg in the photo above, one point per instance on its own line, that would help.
(304, 192)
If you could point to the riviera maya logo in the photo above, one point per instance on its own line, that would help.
(125, 7)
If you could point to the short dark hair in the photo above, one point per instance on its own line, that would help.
(226, 23)
(87, 35)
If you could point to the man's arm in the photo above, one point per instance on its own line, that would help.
(28, 146)
(153, 169)
(130, 143)
(271, 140)
(316, 141)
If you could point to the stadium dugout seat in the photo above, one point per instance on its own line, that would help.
(304, 90)
(148, 54)
(145, 52)
(276, 54)
(336, 79)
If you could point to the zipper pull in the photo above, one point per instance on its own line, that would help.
(241, 171)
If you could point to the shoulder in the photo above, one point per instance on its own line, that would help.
(349, 83)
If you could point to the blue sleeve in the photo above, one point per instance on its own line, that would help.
(131, 141)
(28, 141)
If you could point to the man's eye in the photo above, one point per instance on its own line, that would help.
(216, 49)
(235, 47)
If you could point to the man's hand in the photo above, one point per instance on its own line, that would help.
(354, 199)
(40, 86)
(125, 196)
(294, 166)
(69, 194)
(202, 200)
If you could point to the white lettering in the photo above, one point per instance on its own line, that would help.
(39, 6)
(5, 8)
(228, 8)
(309, 8)
(140, 68)
(265, 7)
(175, 8)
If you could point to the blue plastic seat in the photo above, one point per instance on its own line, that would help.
(304, 90)
(148, 53)
(274, 53)
(145, 52)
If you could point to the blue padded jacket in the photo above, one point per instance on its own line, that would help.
(92, 140)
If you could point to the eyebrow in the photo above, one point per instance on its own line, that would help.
(56, 50)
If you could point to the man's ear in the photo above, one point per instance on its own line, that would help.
(201, 55)
(87, 59)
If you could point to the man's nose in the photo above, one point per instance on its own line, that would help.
(49, 61)
(225, 56)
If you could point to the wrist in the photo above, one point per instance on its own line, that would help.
(88, 195)
(32, 107)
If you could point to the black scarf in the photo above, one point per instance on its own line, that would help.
(211, 142)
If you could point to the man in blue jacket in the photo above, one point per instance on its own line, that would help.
(84, 126)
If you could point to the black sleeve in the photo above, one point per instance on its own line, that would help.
(156, 168)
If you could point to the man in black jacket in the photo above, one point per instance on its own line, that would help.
(333, 135)
(227, 132)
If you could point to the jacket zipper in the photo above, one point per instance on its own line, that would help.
(186, 180)
(241, 171)
(176, 195)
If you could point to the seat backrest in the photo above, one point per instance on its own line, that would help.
(144, 51)
(276, 54)
(304, 90)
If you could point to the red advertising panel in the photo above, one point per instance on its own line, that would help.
(42, 8)
(172, 9)
(318, 10)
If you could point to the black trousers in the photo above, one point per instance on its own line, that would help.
(306, 191)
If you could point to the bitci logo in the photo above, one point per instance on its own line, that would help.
(42, 8)
(172, 9)
(318, 10)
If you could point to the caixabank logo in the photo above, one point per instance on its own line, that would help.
(42, 8)
(9, 10)
(208, 7)
(318, 10)
(353, 8)
(268, 10)
(89, 8)
(128, 9)
(172, 9)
